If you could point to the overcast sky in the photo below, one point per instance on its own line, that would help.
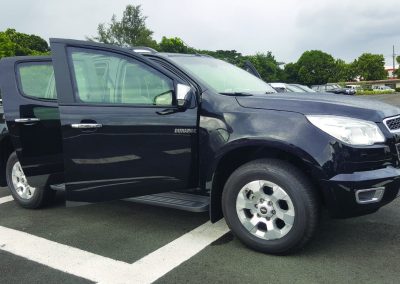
(342, 28)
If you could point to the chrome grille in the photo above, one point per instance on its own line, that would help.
(393, 123)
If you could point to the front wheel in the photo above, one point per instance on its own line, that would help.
(270, 206)
(25, 195)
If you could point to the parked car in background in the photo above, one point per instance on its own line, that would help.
(354, 87)
(294, 89)
(382, 88)
(290, 88)
(280, 87)
(333, 88)
(304, 88)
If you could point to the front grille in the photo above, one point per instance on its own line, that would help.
(393, 123)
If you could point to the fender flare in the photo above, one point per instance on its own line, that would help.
(281, 146)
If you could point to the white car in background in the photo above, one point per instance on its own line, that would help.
(280, 87)
(304, 88)
(356, 88)
(382, 88)
(291, 88)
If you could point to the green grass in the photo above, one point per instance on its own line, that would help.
(370, 92)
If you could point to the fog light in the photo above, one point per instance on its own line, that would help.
(370, 195)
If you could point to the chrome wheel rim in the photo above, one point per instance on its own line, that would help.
(20, 183)
(265, 210)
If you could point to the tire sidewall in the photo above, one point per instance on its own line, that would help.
(288, 183)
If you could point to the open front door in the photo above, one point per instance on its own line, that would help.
(31, 112)
(119, 119)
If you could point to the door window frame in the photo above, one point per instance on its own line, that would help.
(122, 55)
(19, 82)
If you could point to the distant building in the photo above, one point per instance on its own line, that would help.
(392, 83)
(390, 70)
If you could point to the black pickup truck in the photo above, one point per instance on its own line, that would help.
(195, 133)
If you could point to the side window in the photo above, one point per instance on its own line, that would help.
(37, 80)
(105, 77)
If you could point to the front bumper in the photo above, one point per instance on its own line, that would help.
(340, 191)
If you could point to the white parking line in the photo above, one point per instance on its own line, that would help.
(160, 262)
(64, 258)
(6, 199)
(105, 270)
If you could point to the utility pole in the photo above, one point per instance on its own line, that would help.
(394, 62)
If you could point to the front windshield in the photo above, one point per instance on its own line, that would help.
(221, 76)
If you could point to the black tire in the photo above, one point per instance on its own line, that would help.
(41, 197)
(298, 188)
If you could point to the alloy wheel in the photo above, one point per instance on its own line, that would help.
(265, 210)
(20, 183)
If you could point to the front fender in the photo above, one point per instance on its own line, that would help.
(289, 132)
(256, 145)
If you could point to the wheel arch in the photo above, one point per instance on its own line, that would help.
(234, 157)
(6, 148)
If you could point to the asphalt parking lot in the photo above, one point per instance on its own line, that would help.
(362, 250)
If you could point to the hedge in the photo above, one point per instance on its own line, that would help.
(368, 93)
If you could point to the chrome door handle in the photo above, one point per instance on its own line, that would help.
(86, 125)
(25, 120)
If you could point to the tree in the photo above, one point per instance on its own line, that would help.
(291, 73)
(131, 30)
(371, 67)
(230, 56)
(315, 67)
(174, 45)
(397, 72)
(267, 66)
(25, 41)
(7, 47)
(343, 72)
(13, 43)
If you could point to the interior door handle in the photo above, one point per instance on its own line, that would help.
(26, 120)
(86, 125)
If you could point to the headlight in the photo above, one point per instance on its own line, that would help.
(348, 130)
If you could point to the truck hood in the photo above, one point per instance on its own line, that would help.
(316, 103)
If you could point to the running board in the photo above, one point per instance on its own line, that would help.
(59, 187)
(176, 200)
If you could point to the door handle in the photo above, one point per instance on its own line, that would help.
(86, 125)
(26, 120)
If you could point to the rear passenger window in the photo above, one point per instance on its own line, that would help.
(105, 77)
(37, 80)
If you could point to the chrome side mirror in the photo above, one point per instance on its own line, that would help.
(183, 95)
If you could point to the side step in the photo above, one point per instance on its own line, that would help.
(176, 200)
(59, 187)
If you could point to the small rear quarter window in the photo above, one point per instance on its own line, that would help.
(36, 80)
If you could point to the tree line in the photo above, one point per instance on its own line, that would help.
(313, 66)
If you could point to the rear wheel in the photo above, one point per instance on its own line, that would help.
(270, 206)
(25, 195)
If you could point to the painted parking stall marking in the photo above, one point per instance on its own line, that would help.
(160, 262)
(6, 199)
(65, 258)
(106, 270)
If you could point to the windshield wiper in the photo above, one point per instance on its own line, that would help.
(239, 94)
